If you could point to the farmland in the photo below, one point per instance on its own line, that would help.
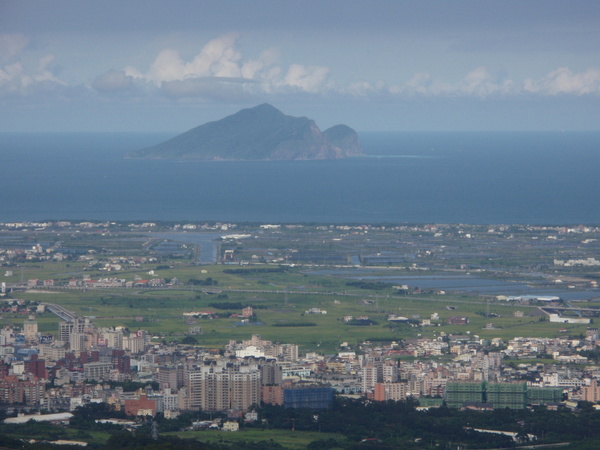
(306, 284)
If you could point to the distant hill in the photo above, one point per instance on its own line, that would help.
(259, 133)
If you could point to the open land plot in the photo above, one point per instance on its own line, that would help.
(286, 438)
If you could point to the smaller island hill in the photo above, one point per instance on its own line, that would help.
(254, 134)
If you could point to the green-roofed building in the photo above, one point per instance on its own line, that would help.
(543, 396)
(459, 393)
(507, 395)
(430, 402)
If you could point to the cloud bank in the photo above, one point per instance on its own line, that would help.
(220, 72)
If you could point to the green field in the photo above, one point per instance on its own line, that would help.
(287, 438)
(281, 298)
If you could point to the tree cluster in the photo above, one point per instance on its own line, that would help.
(400, 425)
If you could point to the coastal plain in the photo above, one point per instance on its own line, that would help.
(324, 287)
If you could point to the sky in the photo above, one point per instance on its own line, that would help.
(375, 65)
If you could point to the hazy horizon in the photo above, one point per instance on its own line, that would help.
(389, 65)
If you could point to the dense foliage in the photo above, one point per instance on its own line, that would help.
(206, 282)
(401, 425)
(362, 422)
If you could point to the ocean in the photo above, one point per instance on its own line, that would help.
(410, 177)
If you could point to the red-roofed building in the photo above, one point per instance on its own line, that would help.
(142, 406)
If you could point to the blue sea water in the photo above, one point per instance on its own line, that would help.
(445, 177)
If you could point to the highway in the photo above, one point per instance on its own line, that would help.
(61, 312)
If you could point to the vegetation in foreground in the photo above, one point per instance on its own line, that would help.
(349, 424)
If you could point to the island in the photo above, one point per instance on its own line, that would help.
(259, 133)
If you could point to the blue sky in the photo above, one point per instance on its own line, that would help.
(149, 65)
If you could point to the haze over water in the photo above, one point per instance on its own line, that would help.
(445, 177)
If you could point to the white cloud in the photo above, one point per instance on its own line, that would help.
(564, 81)
(208, 88)
(12, 45)
(309, 79)
(220, 66)
(220, 72)
(420, 83)
(44, 72)
(168, 66)
(364, 89)
(218, 58)
(361, 89)
(113, 81)
(478, 82)
(254, 68)
(21, 75)
(16, 79)
(10, 72)
(481, 83)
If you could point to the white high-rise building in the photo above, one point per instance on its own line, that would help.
(30, 329)
(371, 374)
(224, 386)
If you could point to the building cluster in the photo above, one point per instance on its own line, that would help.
(34, 253)
(478, 376)
(38, 253)
(91, 364)
(477, 366)
(85, 225)
(587, 262)
(85, 363)
(103, 282)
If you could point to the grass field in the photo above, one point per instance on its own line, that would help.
(282, 298)
(287, 438)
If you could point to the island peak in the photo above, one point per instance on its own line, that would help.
(262, 132)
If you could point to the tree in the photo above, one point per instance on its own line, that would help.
(189, 340)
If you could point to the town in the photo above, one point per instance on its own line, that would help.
(275, 321)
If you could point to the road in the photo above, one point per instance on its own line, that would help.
(61, 312)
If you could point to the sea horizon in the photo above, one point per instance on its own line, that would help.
(495, 177)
